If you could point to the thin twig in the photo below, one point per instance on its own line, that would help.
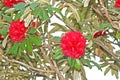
(26, 65)
(100, 43)
(107, 14)
(52, 66)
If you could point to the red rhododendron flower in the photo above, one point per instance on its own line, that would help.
(1, 38)
(34, 24)
(73, 44)
(99, 33)
(117, 4)
(10, 3)
(17, 31)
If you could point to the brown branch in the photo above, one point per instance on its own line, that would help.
(100, 43)
(52, 66)
(26, 65)
(107, 14)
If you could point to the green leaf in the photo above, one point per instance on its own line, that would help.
(107, 70)
(35, 40)
(86, 62)
(57, 38)
(78, 64)
(4, 30)
(97, 65)
(36, 57)
(34, 5)
(19, 6)
(71, 62)
(18, 15)
(50, 10)
(43, 14)
(14, 49)
(29, 46)
(36, 12)
(89, 37)
(7, 18)
(22, 45)
(58, 54)
(27, 58)
(105, 25)
(80, 1)
(32, 30)
(117, 35)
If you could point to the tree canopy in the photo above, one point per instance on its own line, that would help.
(85, 30)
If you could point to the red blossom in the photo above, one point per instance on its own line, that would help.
(34, 24)
(1, 38)
(117, 4)
(17, 31)
(10, 3)
(73, 44)
(99, 33)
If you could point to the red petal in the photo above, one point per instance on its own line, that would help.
(117, 4)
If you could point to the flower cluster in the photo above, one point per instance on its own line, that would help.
(17, 31)
(73, 44)
(117, 4)
(99, 33)
(10, 3)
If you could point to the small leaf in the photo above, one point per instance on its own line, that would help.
(57, 38)
(71, 62)
(107, 70)
(117, 35)
(78, 64)
(35, 40)
(18, 15)
(22, 45)
(29, 46)
(7, 18)
(32, 30)
(104, 25)
(19, 6)
(58, 54)
(36, 12)
(86, 62)
(50, 9)
(34, 5)
(43, 14)
(97, 65)
(14, 49)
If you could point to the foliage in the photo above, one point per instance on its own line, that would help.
(40, 55)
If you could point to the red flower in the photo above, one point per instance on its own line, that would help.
(117, 4)
(1, 38)
(10, 3)
(73, 44)
(99, 33)
(17, 31)
(34, 24)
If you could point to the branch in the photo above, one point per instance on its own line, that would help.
(100, 43)
(52, 66)
(107, 14)
(26, 65)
